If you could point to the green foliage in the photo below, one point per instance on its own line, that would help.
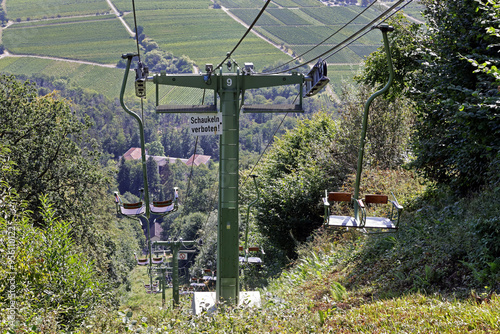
(300, 165)
(130, 176)
(405, 59)
(389, 127)
(207, 257)
(54, 156)
(48, 283)
(456, 130)
(49, 146)
(446, 245)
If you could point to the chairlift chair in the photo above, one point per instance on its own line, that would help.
(141, 262)
(247, 258)
(129, 209)
(360, 219)
(246, 251)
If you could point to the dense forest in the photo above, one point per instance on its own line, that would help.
(434, 138)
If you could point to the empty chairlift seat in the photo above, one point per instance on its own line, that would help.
(363, 221)
(392, 219)
(335, 220)
(141, 262)
(247, 258)
(129, 209)
(165, 207)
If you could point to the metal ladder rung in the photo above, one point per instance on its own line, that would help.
(256, 108)
(168, 108)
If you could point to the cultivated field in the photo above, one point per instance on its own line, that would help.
(205, 35)
(106, 81)
(39, 9)
(62, 29)
(83, 40)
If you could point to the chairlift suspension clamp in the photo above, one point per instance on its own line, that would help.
(384, 27)
(141, 74)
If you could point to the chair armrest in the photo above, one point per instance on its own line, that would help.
(360, 203)
(397, 206)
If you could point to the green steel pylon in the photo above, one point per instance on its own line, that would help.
(228, 87)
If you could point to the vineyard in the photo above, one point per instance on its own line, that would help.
(106, 81)
(244, 4)
(212, 33)
(144, 5)
(288, 17)
(88, 31)
(43, 9)
(248, 15)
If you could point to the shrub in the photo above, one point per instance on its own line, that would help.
(48, 283)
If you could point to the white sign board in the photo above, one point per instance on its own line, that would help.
(205, 124)
(182, 256)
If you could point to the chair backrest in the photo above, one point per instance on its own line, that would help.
(160, 204)
(376, 199)
(253, 249)
(132, 205)
(339, 197)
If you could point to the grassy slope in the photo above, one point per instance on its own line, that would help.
(106, 81)
(347, 282)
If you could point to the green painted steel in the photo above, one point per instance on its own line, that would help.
(254, 177)
(129, 57)
(175, 247)
(229, 87)
(384, 28)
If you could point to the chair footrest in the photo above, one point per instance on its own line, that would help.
(256, 108)
(379, 222)
(371, 222)
(167, 108)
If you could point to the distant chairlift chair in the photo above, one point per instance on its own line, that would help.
(159, 208)
(361, 220)
(246, 258)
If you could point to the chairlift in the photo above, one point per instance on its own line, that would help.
(247, 257)
(316, 79)
(162, 208)
(360, 219)
(141, 262)
(391, 222)
(159, 208)
(248, 254)
(129, 209)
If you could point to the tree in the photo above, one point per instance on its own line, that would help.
(55, 157)
(153, 180)
(457, 125)
(50, 147)
(294, 175)
(155, 148)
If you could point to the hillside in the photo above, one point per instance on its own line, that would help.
(74, 258)
(93, 31)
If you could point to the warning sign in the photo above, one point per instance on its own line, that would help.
(205, 124)
(182, 256)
